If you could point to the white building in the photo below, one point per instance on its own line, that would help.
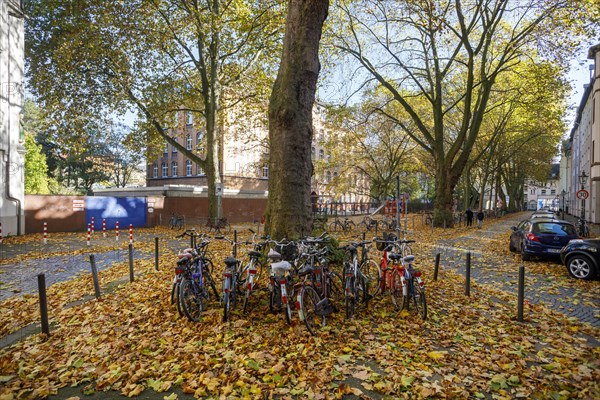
(12, 150)
(582, 152)
(544, 194)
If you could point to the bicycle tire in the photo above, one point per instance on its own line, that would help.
(350, 296)
(208, 277)
(275, 299)
(309, 298)
(363, 226)
(349, 226)
(227, 285)
(288, 308)
(419, 300)
(335, 287)
(175, 291)
(396, 290)
(191, 302)
(372, 273)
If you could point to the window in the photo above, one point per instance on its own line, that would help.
(328, 179)
(176, 118)
(165, 169)
(265, 171)
(553, 191)
(321, 154)
(166, 149)
(335, 175)
(188, 142)
(199, 138)
(175, 148)
(174, 168)
(155, 170)
(190, 118)
(188, 168)
(543, 191)
(199, 170)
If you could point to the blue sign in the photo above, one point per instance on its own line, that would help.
(126, 210)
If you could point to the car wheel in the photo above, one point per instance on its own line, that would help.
(581, 266)
(511, 247)
(524, 256)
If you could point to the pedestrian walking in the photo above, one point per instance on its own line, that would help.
(480, 216)
(469, 214)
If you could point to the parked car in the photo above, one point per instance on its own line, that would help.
(582, 258)
(541, 237)
(542, 214)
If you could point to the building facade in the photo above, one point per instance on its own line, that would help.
(12, 150)
(581, 151)
(245, 160)
(544, 194)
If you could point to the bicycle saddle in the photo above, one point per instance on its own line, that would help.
(184, 255)
(281, 267)
(395, 256)
(409, 259)
(254, 253)
(273, 255)
(230, 262)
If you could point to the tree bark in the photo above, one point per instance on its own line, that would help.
(290, 121)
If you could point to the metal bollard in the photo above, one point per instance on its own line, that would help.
(468, 275)
(234, 243)
(43, 303)
(131, 278)
(156, 253)
(45, 233)
(521, 293)
(437, 266)
(95, 275)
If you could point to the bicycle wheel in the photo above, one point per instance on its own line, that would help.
(227, 291)
(191, 302)
(350, 296)
(175, 290)
(419, 300)
(309, 298)
(208, 278)
(349, 226)
(288, 309)
(335, 287)
(396, 290)
(275, 298)
(372, 279)
(251, 283)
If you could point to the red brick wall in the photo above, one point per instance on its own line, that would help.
(57, 211)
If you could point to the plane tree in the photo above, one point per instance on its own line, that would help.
(157, 58)
(450, 55)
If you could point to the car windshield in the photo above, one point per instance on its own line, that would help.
(552, 228)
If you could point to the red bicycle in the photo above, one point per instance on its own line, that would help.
(392, 270)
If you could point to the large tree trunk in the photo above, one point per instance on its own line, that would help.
(290, 121)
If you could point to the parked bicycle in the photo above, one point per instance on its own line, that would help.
(218, 225)
(338, 226)
(582, 228)
(361, 278)
(281, 279)
(413, 288)
(391, 267)
(252, 271)
(232, 279)
(177, 221)
(321, 288)
(368, 223)
(194, 271)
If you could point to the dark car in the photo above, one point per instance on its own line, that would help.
(541, 237)
(582, 258)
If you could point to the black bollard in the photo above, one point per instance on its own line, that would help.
(156, 253)
(234, 243)
(521, 293)
(468, 275)
(131, 278)
(437, 266)
(95, 276)
(43, 303)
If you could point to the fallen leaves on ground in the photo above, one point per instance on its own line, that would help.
(133, 339)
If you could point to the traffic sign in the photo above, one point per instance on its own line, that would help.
(583, 194)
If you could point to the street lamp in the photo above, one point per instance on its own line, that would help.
(582, 180)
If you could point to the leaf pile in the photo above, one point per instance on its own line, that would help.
(133, 338)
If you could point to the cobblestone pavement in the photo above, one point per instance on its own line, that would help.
(502, 272)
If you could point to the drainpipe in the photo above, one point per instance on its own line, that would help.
(11, 198)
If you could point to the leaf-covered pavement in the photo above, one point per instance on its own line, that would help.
(133, 339)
